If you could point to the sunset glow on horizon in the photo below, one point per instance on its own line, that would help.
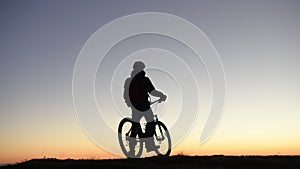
(258, 43)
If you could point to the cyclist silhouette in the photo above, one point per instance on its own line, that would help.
(136, 94)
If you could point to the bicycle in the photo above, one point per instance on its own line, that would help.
(161, 137)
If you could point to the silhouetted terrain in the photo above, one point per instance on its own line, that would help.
(178, 162)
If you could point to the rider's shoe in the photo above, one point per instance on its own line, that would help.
(152, 148)
(131, 154)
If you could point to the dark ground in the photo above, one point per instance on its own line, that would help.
(174, 162)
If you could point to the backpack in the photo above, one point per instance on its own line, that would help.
(126, 92)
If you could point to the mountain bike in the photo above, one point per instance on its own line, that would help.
(161, 137)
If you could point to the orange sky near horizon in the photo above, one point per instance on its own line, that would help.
(76, 145)
(86, 149)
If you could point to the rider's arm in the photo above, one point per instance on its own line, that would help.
(157, 93)
(152, 91)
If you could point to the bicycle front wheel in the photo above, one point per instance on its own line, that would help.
(124, 131)
(163, 139)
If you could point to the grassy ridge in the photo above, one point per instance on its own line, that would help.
(178, 162)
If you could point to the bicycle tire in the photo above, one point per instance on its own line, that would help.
(165, 149)
(123, 140)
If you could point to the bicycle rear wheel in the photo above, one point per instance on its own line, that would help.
(124, 131)
(163, 139)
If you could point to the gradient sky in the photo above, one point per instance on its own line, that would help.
(258, 42)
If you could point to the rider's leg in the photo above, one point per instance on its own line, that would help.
(150, 130)
(132, 136)
(136, 117)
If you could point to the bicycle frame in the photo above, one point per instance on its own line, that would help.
(142, 134)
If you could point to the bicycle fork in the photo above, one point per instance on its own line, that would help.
(161, 132)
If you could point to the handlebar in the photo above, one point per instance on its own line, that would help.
(156, 101)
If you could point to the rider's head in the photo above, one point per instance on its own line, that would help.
(138, 66)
